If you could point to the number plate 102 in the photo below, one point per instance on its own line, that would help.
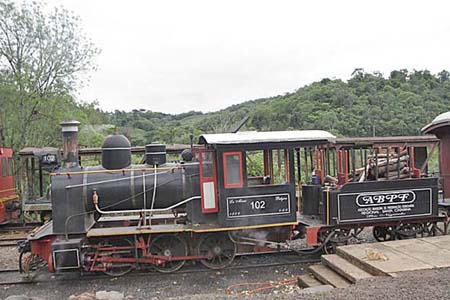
(258, 205)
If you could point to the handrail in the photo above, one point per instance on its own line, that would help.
(115, 171)
(109, 212)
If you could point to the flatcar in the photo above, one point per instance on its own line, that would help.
(238, 194)
(8, 193)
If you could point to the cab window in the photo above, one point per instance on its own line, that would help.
(3, 166)
(279, 166)
(232, 162)
(207, 164)
(257, 172)
(265, 167)
(10, 166)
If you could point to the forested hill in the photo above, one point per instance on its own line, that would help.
(368, 104)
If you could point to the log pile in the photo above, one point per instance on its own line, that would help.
(396, 167)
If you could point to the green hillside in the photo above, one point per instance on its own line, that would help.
(368, 104)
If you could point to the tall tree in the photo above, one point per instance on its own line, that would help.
(42, 58)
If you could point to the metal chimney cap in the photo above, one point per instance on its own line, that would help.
(69, 126)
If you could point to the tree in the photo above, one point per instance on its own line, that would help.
(42, 58)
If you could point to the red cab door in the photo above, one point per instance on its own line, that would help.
(208, 181)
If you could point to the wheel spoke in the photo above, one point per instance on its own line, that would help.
(119, 269)
(163, 245)
(219, 250)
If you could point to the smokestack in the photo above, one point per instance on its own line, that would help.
(70, 139)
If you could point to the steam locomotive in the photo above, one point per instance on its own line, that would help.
(239, 193)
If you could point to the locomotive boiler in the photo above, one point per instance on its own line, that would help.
(121, 186)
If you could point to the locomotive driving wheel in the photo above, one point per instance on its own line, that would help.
(125, 249)
(218, 249)
(169, 246)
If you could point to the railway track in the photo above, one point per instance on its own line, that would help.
(10, 241)
(12, 276)
(16, 227)
(13, 233)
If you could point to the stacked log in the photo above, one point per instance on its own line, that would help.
(396, 167)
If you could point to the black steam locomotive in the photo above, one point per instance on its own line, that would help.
(239, 193)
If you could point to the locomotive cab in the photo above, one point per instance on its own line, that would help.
(248, 178)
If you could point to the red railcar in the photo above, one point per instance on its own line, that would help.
(8, 193)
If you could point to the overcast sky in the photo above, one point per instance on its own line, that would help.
(176, 56)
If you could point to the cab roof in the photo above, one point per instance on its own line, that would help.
(253, 137)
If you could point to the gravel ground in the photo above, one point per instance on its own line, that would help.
(430, 284)
(9, 255)
(9, 258)
(204, 285)
(159, 286)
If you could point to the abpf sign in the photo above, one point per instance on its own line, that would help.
(380, 205)
(391, 197)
